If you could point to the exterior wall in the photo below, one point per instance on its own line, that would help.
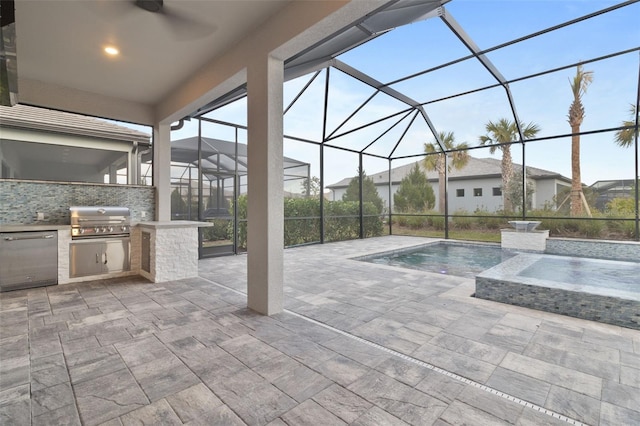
(546, 190)
(544, 193)
(470, 202)
(21, 200)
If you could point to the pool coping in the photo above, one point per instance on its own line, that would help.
(409, 249)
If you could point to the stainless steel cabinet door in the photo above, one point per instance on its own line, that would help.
(85, 258)
(116, 255)
(28, 259)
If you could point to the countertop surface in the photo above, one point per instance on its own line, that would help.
(33, 227)
(173, 224)
(151, 224)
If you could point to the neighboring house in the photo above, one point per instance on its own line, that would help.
(49, 145)
(607, 190)
(475, 186)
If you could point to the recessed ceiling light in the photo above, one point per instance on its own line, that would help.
(111, 51)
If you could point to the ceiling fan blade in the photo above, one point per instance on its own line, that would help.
(110, 9)
(184, 26)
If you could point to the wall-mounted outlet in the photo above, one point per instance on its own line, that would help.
(40, 215)
(143, 214)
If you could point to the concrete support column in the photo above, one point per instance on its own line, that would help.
(265, 208)
(162, 170)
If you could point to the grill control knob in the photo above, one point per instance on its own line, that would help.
(124, 228)
(104, 230)
(111, 229)
(97, 230)
(82, 230)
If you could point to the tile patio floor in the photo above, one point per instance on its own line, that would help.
(359, 344)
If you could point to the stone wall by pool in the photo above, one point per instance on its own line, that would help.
(608, 304)
(615, 250)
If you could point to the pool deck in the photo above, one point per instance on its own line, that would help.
(359, 344)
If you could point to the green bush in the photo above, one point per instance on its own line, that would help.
(489, 220)
(590, 228)
(437, 222)
(416, 222)
(219, 230)
(621, 207)
(628, 229)
(463, 221)
(401, 219)
(342, 220)
(307, 228)
(302, 220)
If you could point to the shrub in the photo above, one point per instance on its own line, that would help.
(415, 222)
(463, 221)
(437, 222)
(628, 229)
(400, 219)
(489, 220)
(218, 231)
(302, 220)
(590, 228)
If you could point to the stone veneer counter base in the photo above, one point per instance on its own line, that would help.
(173, 249)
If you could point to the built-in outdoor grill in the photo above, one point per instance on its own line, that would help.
(99, 221)
(101, 240)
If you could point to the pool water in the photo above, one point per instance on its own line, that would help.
(462, 260)
(604, 274)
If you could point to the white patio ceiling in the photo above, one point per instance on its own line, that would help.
(163, 71)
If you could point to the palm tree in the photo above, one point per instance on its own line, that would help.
(502, 132)
(436, 161)
(579, 85)
(625, 137)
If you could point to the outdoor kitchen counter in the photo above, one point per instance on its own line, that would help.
(169, 224)
(33, 227)
(168, 249)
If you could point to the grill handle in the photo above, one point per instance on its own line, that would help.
(37, 237)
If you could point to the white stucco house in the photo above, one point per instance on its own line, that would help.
(478, 185)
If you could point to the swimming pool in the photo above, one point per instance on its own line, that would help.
(595, 289)
(459, 259)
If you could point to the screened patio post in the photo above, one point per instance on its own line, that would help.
(265, 194)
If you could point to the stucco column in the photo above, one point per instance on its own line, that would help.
(162, 170)
(265, 209)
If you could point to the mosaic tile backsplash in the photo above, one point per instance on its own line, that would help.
(20, 201)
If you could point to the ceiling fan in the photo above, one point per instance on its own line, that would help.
(181, 24)
(150, 5)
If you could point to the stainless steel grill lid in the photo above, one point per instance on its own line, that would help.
(99, 212)
(87, 221)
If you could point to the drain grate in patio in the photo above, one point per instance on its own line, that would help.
(429, 366)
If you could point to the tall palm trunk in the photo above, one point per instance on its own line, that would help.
(507, 173)
(576, 179)
(440, 167)
(579, 85)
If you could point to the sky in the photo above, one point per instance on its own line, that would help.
(543, 100)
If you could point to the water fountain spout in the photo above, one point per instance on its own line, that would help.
(524, 225)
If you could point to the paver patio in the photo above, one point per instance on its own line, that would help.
(359, 344)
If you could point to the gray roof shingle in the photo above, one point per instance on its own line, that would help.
(476, 167)
(32, 118)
